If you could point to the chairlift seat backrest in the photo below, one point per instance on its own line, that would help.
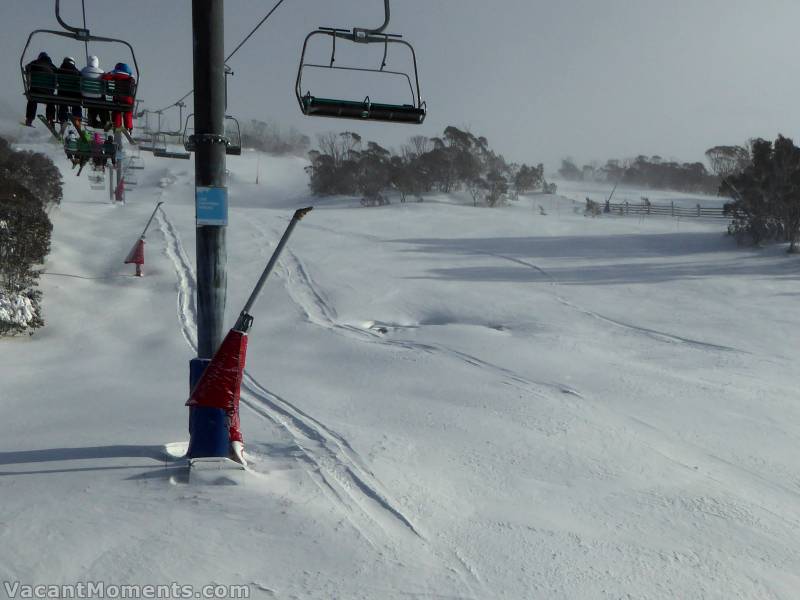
(94, 93)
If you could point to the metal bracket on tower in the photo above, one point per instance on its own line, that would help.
(209, 138)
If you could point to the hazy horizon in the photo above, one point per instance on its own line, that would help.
(589, 80)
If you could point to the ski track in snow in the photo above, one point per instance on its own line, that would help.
(651, 333)
(333, 465)
(319, 311)
(661, 442)
(660, 336)
(726, 474)
(187, 311)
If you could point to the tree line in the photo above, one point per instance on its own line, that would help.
(763, 179)
(29, 185)
(344, 164)
(643, 171)
(268, 137)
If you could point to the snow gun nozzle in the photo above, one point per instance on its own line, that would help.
(302, 212)
(244, 322)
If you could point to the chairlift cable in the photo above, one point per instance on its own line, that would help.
(86, 42)
(235, 50)
(249, 35)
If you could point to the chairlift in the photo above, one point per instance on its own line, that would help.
(73, 149)
(143, 130)
(161, 145)
(177, 132)
(102, 94)
(145, 141)
(145, 144)
(233, 144)
(364, 110)
(233, 136)
(97, 179)
(162, 148)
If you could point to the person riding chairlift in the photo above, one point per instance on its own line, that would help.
(99, 158)
(42, 64)
(84, 151)
(110, 150)
(96, 117)
(65, 112)
(121, 72)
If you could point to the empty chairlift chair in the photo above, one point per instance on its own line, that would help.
(233, 136)
(167, 144)
(365, 110)
(164, 148)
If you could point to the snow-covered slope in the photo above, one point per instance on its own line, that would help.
(441, 401)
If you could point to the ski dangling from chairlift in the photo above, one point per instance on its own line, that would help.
(364, 110)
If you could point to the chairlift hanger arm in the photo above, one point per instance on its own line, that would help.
(80, 33)
(360, 34)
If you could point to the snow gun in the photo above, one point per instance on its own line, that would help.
(136, 255)
(214, 418)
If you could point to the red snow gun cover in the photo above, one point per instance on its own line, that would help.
(136, 255)
(219, 386)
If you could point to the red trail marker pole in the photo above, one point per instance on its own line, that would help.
(136, 255)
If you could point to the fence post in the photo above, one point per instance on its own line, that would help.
(672, 208)
(698, 210)
(627, 208)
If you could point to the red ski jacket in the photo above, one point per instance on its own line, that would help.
(117, 76)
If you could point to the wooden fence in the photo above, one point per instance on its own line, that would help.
(670, 210)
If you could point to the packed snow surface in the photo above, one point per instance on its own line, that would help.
(441, 401)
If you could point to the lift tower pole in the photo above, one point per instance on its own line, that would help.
(211, 197)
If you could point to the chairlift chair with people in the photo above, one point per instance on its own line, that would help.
(364, 110)
(73, 148)
(69, 89)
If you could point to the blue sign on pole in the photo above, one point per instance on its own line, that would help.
(211, 205)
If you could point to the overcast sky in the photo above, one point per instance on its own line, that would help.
(541, 79)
